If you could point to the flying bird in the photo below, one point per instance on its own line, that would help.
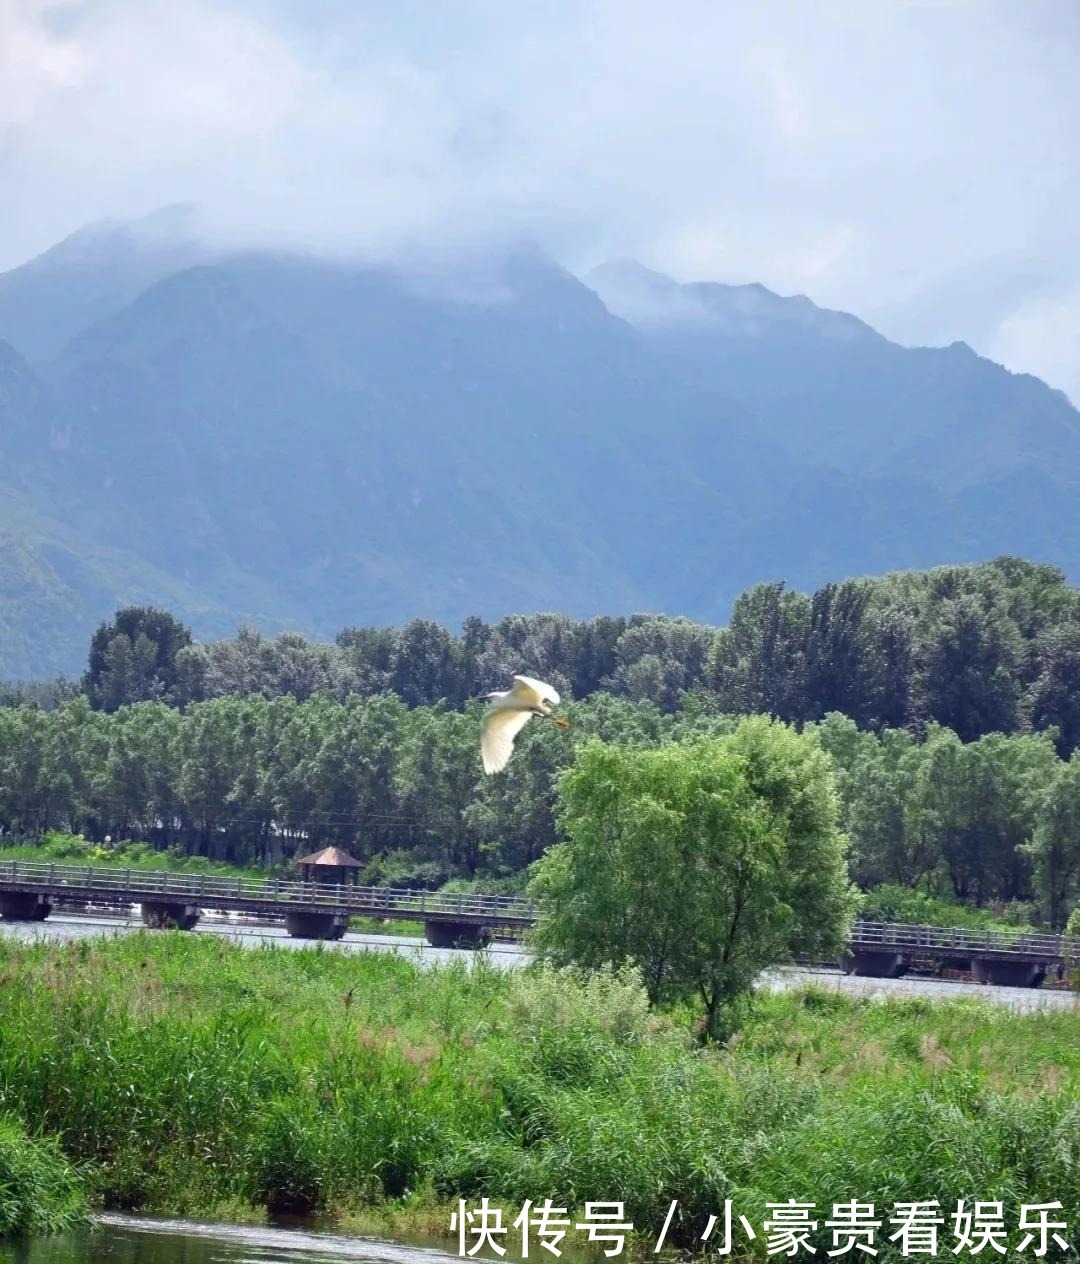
(509, 713)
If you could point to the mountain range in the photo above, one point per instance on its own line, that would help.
(299, 442)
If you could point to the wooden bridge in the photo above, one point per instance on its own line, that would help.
(1011, 958)
(311, 910)
(315, 910)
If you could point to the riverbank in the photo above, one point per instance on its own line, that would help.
(192, 1077)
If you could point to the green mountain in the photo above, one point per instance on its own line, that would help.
(835, 392)
(306, 444)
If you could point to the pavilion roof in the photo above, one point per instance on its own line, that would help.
(330, 856)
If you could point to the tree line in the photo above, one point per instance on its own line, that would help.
(978, 649)
(948, 700)
(254, 780)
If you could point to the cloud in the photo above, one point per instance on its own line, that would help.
(899, 160)
(1043, 335)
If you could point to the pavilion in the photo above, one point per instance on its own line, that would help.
(331, 865)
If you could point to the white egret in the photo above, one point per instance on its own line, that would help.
(509, 713)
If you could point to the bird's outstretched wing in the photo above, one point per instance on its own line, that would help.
(533, 691)
(497, 732)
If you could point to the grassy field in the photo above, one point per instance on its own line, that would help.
(193, 1077)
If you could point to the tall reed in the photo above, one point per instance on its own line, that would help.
(189, 1076)
(40, 1192)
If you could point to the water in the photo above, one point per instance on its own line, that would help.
(1024, 1000)
(138, 1240)
(62, 926)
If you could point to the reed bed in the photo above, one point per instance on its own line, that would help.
(188, 1076)
(40, 1191)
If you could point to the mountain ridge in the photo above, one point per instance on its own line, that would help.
(309, 443)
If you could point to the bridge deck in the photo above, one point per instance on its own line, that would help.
(93, 884)
(954, 941)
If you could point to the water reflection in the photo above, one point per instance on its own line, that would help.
(133, 1240)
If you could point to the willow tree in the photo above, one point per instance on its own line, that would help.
(701, 863)
(1055, 846)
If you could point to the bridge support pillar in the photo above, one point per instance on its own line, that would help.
(170, 915)
(874, 965)
(457, 935)
(316, 925)
(23, 906)
(1009, 973)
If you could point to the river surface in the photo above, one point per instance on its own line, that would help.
(138, 1240)
(61, 926)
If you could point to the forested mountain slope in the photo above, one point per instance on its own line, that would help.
(314, 445)
(836, 392)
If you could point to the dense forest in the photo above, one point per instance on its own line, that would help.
(949, 701)
(979, 649)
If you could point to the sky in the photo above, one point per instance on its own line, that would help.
(915, 163)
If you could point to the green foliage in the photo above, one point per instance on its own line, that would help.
(699, 863)
(186, 1074)
(1055, 842)
(39, 1190)
(47, 694)
(612, 1001)
(792, 775)
(250, 748)
(75, 849)
(234, 782)
(986, 825)
(977, 649)
(252, 780)
(951, 645)
(892, 903)
(133, 658)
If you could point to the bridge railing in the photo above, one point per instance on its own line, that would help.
(958, 940)
(148, 884)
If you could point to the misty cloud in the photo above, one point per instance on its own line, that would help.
(915, 163)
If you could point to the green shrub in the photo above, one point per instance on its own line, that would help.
(892, 903)
(402, 868)
(123, 854)
(613, 1002)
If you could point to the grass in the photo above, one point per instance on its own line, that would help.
(377, 926)
(192, 1077)
(74, 849)
(39, 1190)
